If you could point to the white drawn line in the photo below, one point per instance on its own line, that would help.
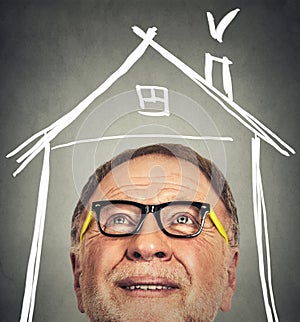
(37, 239)
(255, 126)
(217, 32)
(208, 88)
(267, 245)
(153, 99)
(132, 136)
(260, 218)
(208, 72)
(55, 128)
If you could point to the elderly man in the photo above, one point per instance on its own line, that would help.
(155, 238)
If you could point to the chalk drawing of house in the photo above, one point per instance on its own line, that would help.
(45, 137)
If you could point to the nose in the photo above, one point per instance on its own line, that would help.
(150, 243)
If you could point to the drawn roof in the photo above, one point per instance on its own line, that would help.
(235, 110)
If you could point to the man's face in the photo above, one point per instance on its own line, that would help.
(150, 276)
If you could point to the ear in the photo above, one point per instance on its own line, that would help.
(231, 284)
(77, 272)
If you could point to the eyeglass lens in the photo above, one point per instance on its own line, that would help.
(176, 219)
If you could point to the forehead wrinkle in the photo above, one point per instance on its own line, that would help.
(146, 181)
(171, 178)
(158, 179)
(173, 188)
(169, 185)
(163, 194)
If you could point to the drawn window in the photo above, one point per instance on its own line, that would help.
(154, 100)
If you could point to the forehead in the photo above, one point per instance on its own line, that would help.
(155, 179)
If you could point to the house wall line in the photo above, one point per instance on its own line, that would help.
(37, 241)
(260, 222)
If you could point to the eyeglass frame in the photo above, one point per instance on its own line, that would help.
(155, 210)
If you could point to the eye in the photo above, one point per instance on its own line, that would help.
(183, 219)
(119, 220)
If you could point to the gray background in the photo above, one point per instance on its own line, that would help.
(54, 53)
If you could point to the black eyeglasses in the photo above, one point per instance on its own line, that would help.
(181, 219)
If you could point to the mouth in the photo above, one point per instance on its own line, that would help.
(145, 286)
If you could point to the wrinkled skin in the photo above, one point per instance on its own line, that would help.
(200, 272)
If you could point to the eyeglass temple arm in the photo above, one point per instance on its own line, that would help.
(218, 224)
(86, 224)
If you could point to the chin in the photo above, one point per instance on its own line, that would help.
(148, 313)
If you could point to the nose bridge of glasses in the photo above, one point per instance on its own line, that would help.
(150, 222)
(150, 208)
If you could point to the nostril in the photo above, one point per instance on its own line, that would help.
(136, 255)
(160, 254)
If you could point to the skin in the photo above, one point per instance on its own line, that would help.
(200, 272)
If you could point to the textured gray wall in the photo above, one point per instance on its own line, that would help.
(54, 53)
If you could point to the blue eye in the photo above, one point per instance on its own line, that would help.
(119, 220)
(182, 219)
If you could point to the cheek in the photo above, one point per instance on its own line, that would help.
(202, 258)
(101, 254)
